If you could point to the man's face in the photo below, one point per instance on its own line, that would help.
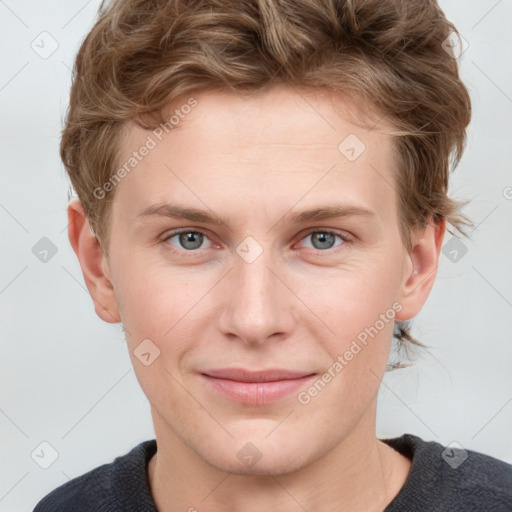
(259, 291)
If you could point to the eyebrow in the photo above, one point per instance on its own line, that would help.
(208, 217)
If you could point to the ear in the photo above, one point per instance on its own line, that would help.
(421, 269)
(93, 262)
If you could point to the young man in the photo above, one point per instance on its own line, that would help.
(262, 201)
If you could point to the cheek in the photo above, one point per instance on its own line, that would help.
(359, 307)
(351, 299)
(152, 297)
(354, 375)
(171, 308)
(157, 301)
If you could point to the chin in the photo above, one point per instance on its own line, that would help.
(275, 464)
(259, 454)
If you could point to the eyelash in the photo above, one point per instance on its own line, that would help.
(194, 252)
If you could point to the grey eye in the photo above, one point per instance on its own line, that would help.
(322, 239)
(190, 240)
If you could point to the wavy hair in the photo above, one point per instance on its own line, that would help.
(140, 55)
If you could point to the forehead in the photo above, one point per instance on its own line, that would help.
(283, 114)
(271, 147)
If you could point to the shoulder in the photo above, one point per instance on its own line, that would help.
(119, 485)
(451, 478)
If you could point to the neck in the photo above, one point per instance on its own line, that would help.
(359, 474)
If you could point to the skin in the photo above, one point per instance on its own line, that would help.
(254, 160)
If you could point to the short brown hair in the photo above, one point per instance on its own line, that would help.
(142, 54)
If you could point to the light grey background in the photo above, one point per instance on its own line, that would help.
(66, 377)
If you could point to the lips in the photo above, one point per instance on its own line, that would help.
(255, 387)
(241, 375)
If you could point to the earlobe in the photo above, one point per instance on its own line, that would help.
(93, 263)
(422, 262)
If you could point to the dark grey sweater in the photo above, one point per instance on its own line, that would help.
(441, 480)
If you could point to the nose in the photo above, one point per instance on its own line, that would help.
(256, 304)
